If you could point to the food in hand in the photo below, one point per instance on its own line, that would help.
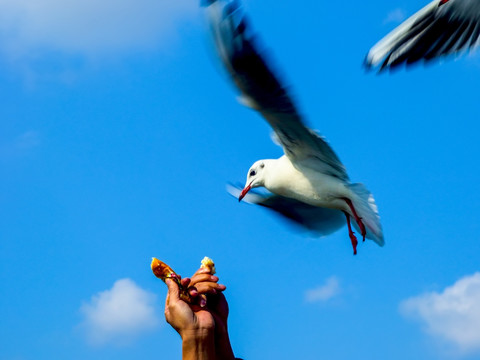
(164, 272)
(208, 263)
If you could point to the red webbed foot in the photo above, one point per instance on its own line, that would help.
(351, 234)
(358, 219)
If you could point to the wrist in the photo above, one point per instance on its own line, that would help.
(223, 347)
(198, 345)
(192, 335)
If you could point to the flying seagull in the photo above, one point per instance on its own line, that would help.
(309, 174)
(441, 28)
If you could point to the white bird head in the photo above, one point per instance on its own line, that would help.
(255, 178)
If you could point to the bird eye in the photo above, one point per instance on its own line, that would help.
(253, 173)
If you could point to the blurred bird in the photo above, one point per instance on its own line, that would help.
(310, 174)
(441, 28)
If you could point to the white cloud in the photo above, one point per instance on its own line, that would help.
(395, 16)
(452, 315)
(27, 140)
(323, 293)
(89, 27)
(21, 145)
(119, 314)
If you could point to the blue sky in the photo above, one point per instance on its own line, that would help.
(119, 132)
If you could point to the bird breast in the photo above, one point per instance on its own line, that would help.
(303, 184)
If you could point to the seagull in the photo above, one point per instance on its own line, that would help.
(309, 174)
(441, 28)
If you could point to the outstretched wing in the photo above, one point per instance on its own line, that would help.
(442, 27)
(262, 89)
(321, 221)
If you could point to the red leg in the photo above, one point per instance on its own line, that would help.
(353, 238)
(357, 218)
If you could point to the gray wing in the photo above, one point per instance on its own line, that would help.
(321, 221)
(441, 28)
(262, 89)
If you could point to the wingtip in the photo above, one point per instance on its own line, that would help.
(367, 64)
(370, 67)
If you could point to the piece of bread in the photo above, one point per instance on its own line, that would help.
(163, 271)
(208, 263)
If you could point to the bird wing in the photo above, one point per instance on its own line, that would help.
(442, 27)
(262, 89)
(321, 221)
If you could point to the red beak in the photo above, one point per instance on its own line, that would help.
(244, 192)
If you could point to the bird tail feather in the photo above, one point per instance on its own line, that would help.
(365, 206)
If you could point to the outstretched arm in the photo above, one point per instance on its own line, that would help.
(203, 284)
(202, 324)
(195, 325)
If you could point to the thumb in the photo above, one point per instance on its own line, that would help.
(173, 290)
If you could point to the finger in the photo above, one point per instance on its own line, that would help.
(207, 288)
(173, 290)
(199, 303)
(202, 301)
(203, 270)
(197, 306)
(185, 282)
(193, 291)
(203, 278)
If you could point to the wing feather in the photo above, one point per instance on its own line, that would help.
(437, 30)
(321, 221)
(263, 89)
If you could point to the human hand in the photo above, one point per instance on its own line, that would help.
(195, 325)
(187, 319)
(210, 295)
(202, 324)
(204, 288)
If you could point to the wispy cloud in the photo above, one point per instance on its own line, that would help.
(325, 292)
(20, 145)
(452, 315)
(27, 140)
(395, 16)
(119, 314)
(89, 27)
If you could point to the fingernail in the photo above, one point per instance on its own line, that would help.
(213, 278)
(203, 302)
